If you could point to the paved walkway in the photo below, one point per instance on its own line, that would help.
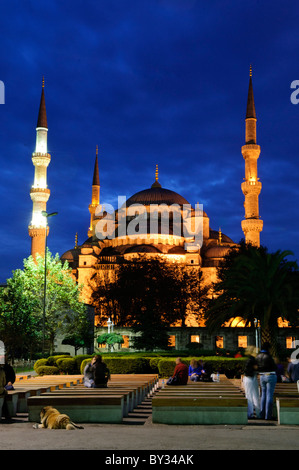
(20, 435)
(257, 435)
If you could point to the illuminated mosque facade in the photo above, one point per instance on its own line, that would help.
(151, 240)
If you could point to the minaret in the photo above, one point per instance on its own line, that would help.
(251, 187)
(39, 192)
(95, 196)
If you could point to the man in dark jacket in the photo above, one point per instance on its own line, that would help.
(101, 373)
(268, 379)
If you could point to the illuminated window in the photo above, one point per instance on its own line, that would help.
(219, 342)
(171, 340)
(125, 344)
(289, 342)
(195, 339)
(242, 341)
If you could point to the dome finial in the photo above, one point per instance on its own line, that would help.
(76, 240)
(220, 236)
(156, 184)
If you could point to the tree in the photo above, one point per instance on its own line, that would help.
(80, 332)
(254, 284)
(18, 324)
(191, 293)
(148, 295)
(63, 307)
(110, 339)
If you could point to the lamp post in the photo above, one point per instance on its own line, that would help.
(46, 215)
(257, 339)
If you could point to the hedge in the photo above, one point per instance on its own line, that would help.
(136, 364)
(124, 365)
(67, 365)
(47, 370)
(228, 366)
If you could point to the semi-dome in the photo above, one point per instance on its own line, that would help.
(142, 249)
(217, 251)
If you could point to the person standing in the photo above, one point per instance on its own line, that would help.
(251, 384)
(268, 379)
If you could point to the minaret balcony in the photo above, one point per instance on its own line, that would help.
(251, 187)
(252, 225)
(41, 159)
(40, 194)
(251, 151)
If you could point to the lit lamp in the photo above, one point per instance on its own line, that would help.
(110, 325)
(256, 325)
(46, 215)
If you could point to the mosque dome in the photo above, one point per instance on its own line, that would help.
(156, 195)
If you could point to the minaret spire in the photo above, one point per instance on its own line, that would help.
(39, 192)
(95, 197)
(251, 187)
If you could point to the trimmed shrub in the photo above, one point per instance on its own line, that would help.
(39, 363)
(67, 365)
(154, 364)
(80, 358)
(52, 360)
(47, 370)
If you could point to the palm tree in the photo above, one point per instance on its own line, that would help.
(256, 285)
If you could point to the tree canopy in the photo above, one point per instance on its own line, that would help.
(256, 285)
(22, 304)
(148, 295)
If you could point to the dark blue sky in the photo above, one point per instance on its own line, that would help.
(150, 82)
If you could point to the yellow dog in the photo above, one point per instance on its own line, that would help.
(51, 418)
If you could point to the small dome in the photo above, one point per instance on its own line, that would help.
(217, 251)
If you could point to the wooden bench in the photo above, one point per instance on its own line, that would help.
(1, 405)
(199, 410)
(129, 397)
(80, 408)
(287, 410)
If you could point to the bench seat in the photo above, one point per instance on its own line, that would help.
(80, 408)
(203, 410)
(129, 397)
(287, 410)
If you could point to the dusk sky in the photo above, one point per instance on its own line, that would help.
(150, 82)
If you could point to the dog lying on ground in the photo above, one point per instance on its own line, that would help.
(51, 418)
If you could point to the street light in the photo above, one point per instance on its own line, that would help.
(46, 215)
(257, 339)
